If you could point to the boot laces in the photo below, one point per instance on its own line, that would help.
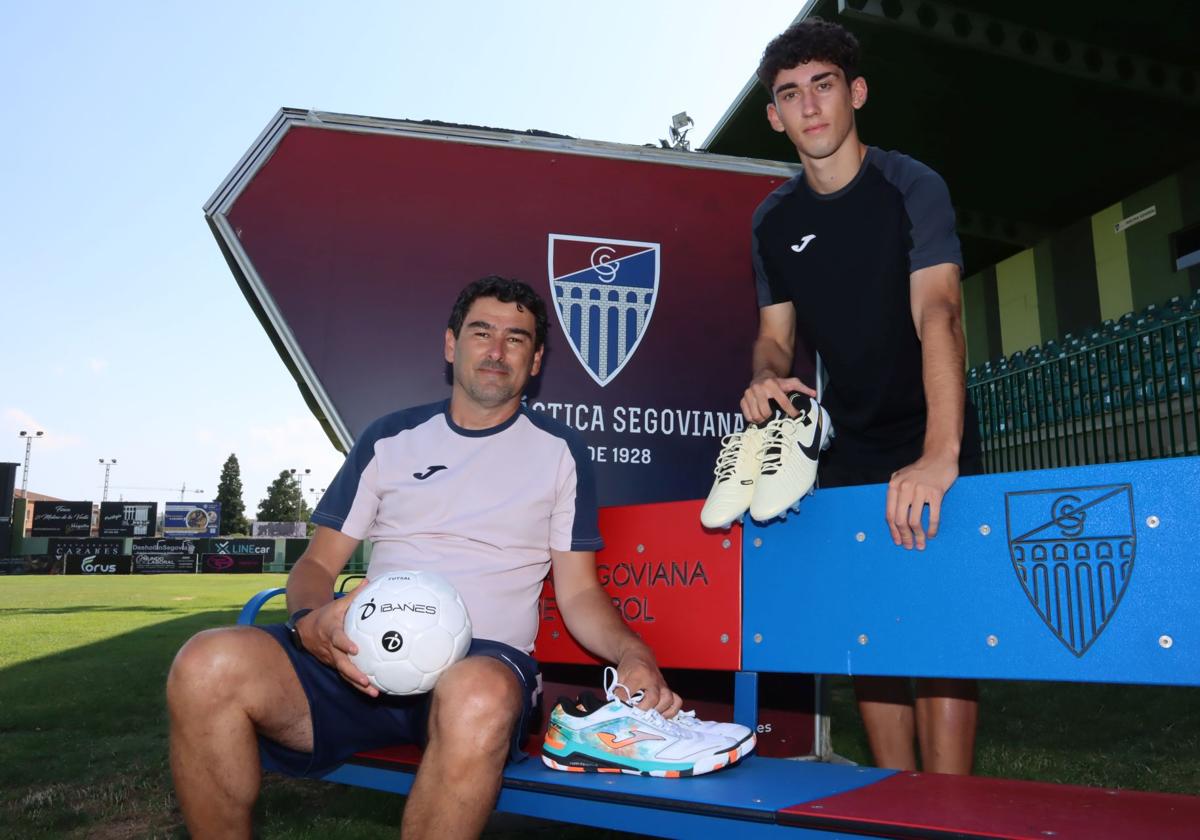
(731, 450)
(776, 437)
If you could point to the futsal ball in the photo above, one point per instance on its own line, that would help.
(409, 628)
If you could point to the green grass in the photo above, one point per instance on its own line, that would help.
(83, 662)
(83, 734)
(83, 726)
(1117, 736)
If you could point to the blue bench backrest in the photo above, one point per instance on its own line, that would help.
(1083, 574)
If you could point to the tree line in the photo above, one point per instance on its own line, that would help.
(284, 501)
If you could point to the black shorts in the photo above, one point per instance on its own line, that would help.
(346, 721)
(835, 471)
(850, 461)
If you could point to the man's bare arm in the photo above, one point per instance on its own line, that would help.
(310, 586)
(590, 616)
(937, 316)
(774, 350)
(310, 583)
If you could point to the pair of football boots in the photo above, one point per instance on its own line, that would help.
(767, 468)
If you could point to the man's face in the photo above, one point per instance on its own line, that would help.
(493, 355)
(814, 105)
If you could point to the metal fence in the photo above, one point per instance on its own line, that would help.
(1124, 399)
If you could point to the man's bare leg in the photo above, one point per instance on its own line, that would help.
(474, 709)
(885, 705)
(947, 711)
(223, 685)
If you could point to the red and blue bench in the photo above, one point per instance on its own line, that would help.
(1085, 574)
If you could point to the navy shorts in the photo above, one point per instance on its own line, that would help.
(346, 721)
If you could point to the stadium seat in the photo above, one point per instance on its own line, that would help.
(1163, 332)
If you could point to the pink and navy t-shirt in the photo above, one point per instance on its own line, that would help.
(482, 508)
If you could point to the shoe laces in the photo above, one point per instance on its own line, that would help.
(731, 450)
(650, 716)
(774, 443)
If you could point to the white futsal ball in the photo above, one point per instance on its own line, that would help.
(409, 628)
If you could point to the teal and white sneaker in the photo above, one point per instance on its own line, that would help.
(589, 735)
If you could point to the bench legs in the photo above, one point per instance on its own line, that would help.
(745, 699)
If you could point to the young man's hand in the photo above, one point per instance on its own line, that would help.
(323, 634)
(756, 401)
(639, 672)
(923, 482)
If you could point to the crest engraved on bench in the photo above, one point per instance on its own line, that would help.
(1072, 549)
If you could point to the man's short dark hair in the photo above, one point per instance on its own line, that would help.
(504, 290)
(812, 39)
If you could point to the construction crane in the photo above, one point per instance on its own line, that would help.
(183, 489)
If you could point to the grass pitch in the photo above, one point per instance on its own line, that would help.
(83, 731)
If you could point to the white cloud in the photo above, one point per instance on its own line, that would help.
(295, 443)
(54, 439)
(97, 365)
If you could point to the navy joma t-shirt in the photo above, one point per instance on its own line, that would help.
(843, 260)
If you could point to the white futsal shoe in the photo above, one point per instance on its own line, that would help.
(737, 473)
(590, 735)
(790, 449)
(740, 734)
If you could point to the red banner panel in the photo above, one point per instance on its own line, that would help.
(677, 585)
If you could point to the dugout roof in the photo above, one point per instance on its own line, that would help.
(1036, 113)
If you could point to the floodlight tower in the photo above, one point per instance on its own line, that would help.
(108, 463)
(30, 437)
(298, 478)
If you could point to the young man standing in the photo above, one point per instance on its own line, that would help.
(481, 490)
(859, 253)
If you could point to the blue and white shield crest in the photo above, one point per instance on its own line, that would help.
(604, 292)
(1072, 550)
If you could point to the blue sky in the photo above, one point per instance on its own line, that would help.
(127, 337)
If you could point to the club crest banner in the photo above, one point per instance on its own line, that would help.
(604, 293)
